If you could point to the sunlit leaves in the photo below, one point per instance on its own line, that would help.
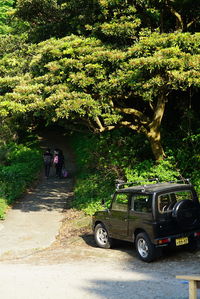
(78, 78)
(6, 8)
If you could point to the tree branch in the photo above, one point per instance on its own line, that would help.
(98, 122)
(143, 119)
(176, 14)
(158, 112)
(192, 22)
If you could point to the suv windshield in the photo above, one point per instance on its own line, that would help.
(167, 201)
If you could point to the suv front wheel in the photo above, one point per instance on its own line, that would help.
(101, 236)
(145, 249)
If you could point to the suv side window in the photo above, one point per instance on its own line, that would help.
(120, 202)
(141, 203)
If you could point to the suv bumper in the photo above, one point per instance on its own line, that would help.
(178, 239)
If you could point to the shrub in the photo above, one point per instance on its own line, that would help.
(21, 167)
(165, 170)
(3, 207)
(90, 190)
(188, 159)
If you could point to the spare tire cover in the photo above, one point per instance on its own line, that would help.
(186, 213)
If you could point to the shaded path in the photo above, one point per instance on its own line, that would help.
(34, 221)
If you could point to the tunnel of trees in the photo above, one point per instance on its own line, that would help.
(125, 72)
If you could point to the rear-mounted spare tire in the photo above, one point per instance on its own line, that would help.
(185, 213)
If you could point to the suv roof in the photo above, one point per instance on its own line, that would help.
(151, 188)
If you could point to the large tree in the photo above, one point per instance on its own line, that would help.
(82, 80)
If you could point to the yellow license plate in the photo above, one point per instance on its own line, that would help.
(182, 241)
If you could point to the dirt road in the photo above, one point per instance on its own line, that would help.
(77, 272)
(48, 252)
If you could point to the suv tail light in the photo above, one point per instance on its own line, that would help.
(197, 234)
(163, 241)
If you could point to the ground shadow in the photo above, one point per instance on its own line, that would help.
(167, 254)
(139, 288)
(137, 279)
(50, 195)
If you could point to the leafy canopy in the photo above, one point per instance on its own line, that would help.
(82, 78)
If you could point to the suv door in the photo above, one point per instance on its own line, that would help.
(140, 216)
(118, 219)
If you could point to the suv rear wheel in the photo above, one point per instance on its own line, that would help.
(101, 236)
(145, 249)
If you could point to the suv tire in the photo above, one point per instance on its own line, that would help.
(185, 213)
(101, 236)
(145, 249)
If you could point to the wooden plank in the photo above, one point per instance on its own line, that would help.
(194, 283)
(189, 277)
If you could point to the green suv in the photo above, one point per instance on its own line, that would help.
(152, 216)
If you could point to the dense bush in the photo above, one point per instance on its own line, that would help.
(18, 169)
(164, 171)
(188, 158)
(90, 190)
(93, 183)
(3, 207)
(185, 150)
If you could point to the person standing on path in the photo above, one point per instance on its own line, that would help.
(61, 161)
(47, 156)
(58, 161)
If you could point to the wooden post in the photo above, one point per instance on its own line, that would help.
(192, 289)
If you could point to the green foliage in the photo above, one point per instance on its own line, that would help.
(102, 159)
(90, 190)
(186, 153)
(3, 207)
(117, 22)
(165, 171)
(6, 8)
(19, 169)
(81, 78)
(43, 10)
(93, 183)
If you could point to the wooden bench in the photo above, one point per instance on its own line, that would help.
(194, 284)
